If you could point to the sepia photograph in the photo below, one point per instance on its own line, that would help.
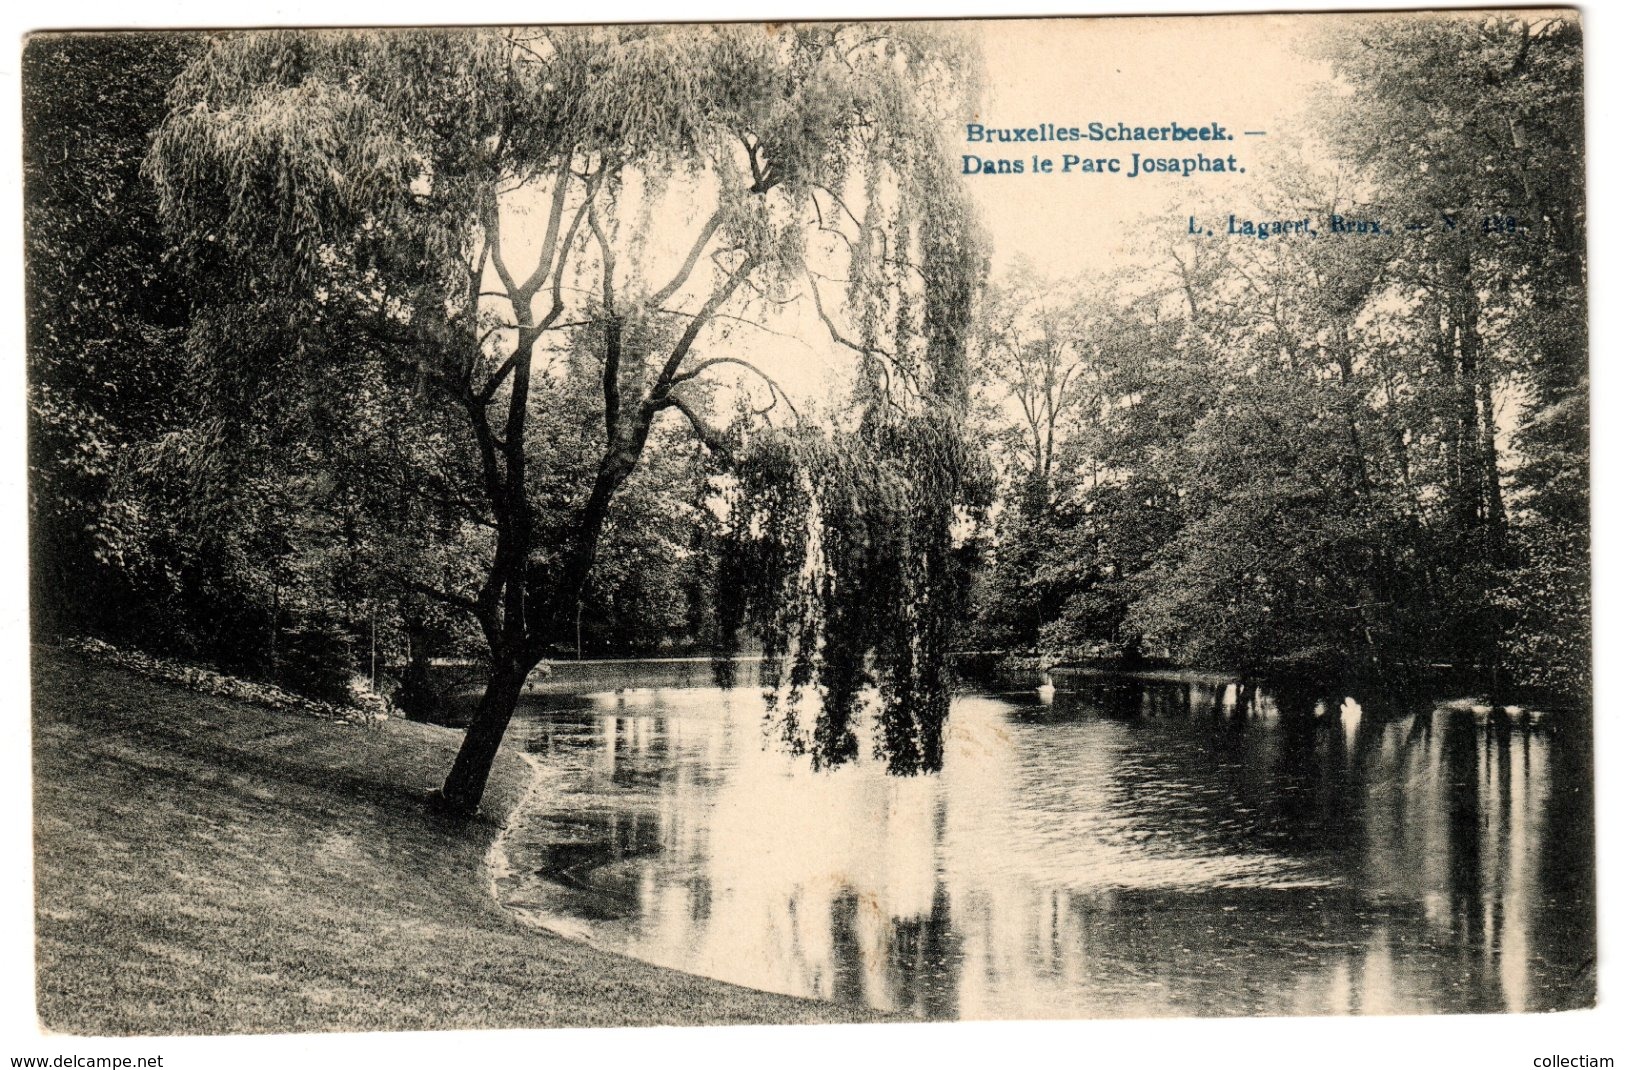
(713, 523)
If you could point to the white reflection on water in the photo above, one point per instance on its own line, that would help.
(1137, 852)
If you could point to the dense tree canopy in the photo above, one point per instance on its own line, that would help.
(479, 209)
(105, 312)
(1339, 456)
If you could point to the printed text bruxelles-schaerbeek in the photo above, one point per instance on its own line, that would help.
(1077, 163)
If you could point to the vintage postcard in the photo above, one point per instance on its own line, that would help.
(809, 522)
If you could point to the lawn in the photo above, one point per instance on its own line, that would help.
(208, 866)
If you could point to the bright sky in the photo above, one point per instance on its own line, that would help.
(1245, 73)
(1242, 73)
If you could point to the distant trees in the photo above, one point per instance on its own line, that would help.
(1039, 345)
(1351, 455)
(144, 527)
(1480, 123)
(1038, 353)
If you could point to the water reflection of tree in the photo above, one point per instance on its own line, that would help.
(1418, 861)
(1473, 816)
(1439, 819)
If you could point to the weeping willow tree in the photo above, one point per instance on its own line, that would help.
(487, 205)
(845, 541)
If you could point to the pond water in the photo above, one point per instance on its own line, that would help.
(1121, 847)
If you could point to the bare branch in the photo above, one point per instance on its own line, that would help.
(875, 356)
(834, 331)
(555, 215)
(450, 598)
(701, 318)
(693, 258)
(492, 213)
(748, 322)
(773, 386)
(564, 254)
(493, 384)
(836, 197)
(486, 440)
(610, 381)
(714, 438)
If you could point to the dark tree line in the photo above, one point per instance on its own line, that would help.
(255, 512)
(1331, 457)
(455, 326)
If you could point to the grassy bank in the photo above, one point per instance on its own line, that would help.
(207, 866)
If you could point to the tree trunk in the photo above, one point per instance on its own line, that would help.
(466, 782)
(517, 640)
(1445, 349)
(1494, 504)
(1470, 493)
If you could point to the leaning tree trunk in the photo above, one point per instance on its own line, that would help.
(465, 784)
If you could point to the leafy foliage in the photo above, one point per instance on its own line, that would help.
(1301, 465)
(843, 565)
(351, 209)
(105, 317)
